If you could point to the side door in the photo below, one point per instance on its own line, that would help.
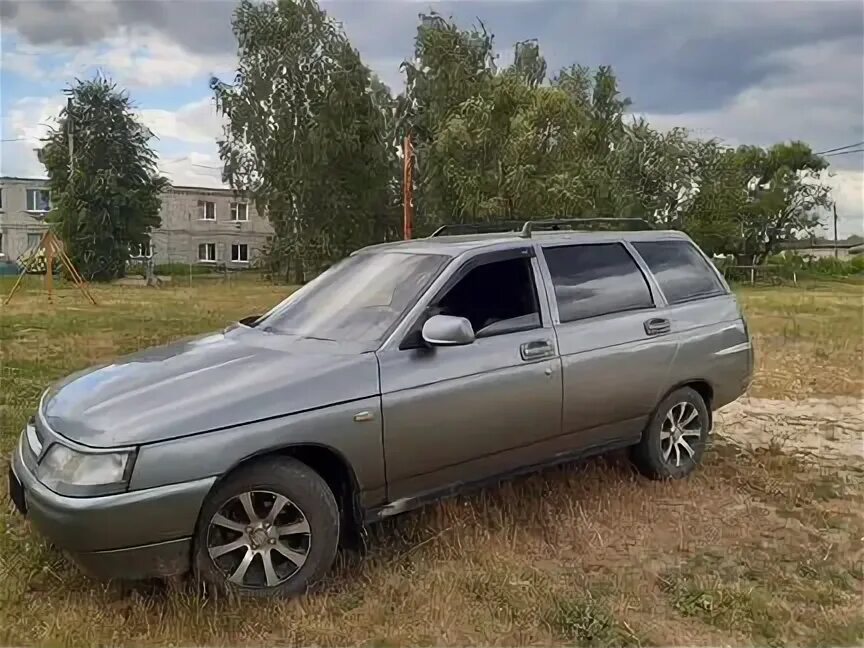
(714, 346)
(461, 414)
(615, 347)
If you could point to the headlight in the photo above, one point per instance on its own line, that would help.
(70, 472)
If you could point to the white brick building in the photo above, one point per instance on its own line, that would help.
(199, 225)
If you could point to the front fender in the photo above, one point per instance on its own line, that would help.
(212, 454)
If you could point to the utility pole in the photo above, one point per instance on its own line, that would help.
(835, 229)
(407, 189)
(69, 136)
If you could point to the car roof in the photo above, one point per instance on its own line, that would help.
(457, 245)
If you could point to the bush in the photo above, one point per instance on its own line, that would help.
(819, 267)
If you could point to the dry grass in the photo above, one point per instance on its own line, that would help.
(809, 341)
(757, 547)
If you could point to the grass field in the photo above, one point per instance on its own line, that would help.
(758, 547)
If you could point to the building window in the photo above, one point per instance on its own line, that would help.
(206, 210)
(240, 252)
(239, 212)
(38, 200)
(1, 198)
(207, 252)
(33, 240)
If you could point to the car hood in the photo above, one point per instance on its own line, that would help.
(207, 383)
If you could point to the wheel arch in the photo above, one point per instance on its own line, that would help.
(702, 387)
(333, 468)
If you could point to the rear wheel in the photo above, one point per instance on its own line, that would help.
(675, 438)
(271, 529)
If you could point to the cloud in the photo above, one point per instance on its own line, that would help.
(196, 122)
(133, 58)
(671, 56)
(59, 22)
(26, 122)
(847, 189)
(192, 129)
(196, 169)
(199, 26)
(803, 102)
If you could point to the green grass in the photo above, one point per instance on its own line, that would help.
(757, 547)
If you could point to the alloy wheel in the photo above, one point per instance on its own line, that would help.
(258, 539)
(681, 428)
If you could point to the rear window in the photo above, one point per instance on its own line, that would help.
(592, 280)
(682, 272)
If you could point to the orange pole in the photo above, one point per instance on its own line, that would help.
(407, 189)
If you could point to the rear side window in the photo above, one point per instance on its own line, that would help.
(592, 280)
(683, 273)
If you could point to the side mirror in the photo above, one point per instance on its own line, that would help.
(447, 330)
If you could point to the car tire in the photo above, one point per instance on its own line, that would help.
(242, 547)
(674, 440)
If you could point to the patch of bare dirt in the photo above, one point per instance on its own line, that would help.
(831, 428)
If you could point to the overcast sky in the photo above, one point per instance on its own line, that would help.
(743, 71)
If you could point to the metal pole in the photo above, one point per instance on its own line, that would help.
(407, 189)
(835, 229)
(69, 136)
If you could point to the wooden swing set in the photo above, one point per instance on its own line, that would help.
(53, 249)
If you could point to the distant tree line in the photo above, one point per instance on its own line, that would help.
(313, 136)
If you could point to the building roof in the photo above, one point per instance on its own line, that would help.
(814, 245)
(20, 179)
(184, 188)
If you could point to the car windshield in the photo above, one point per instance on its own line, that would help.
(358, 299)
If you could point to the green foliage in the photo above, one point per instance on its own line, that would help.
(587, 623)
(492, 143)
(500, 144)
(107, 197)
(309, 135)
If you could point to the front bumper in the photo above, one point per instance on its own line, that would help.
(138, 534)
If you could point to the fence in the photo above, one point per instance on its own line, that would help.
(183, 272)
(772, 275)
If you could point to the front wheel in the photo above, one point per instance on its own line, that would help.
(675, 438)
(269, 530)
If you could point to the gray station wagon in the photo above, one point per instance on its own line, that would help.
(406, 372)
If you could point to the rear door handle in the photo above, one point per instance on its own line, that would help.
(657, 326)
(537, 349)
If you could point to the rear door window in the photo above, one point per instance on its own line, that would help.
(597, 279)
(682, 272)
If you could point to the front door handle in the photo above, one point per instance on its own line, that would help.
(537, 349)
(657, 326)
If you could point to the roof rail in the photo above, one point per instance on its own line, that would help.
(526, 227)
(556, 223)
(478, 228)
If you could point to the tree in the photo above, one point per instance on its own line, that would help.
(107, 196)
(309, 134)
(784, 195)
